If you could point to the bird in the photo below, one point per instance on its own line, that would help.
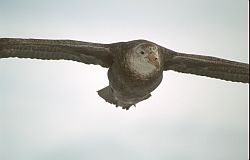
(135, 68)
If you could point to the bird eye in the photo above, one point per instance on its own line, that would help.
(142, 52)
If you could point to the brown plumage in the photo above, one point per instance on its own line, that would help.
(135, 67)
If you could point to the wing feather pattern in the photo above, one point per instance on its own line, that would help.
(85, 52)
(206, 66)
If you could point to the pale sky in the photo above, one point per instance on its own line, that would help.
(50, 109)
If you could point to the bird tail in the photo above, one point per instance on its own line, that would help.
(107, 94)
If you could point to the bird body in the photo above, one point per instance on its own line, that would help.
(129, 85)
(135, 67)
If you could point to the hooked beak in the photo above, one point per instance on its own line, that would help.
(153, 59)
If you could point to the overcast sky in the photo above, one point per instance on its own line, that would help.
(50, 109)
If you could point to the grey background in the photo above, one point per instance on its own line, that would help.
(50, 109)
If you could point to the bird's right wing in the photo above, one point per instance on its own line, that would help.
(85, 52)
(206, 66)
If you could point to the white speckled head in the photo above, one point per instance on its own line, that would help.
(144, 59)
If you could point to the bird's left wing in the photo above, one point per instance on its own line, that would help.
(85, 52)
(206, 66)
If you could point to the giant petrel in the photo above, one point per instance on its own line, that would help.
(135, 67)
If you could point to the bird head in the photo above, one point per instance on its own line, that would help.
(144, 59)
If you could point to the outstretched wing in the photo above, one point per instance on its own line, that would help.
(206, 66)
(89, 53)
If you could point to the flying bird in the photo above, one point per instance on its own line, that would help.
(135, 68)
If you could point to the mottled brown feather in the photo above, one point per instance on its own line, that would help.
(89, 53)
(207, 66)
